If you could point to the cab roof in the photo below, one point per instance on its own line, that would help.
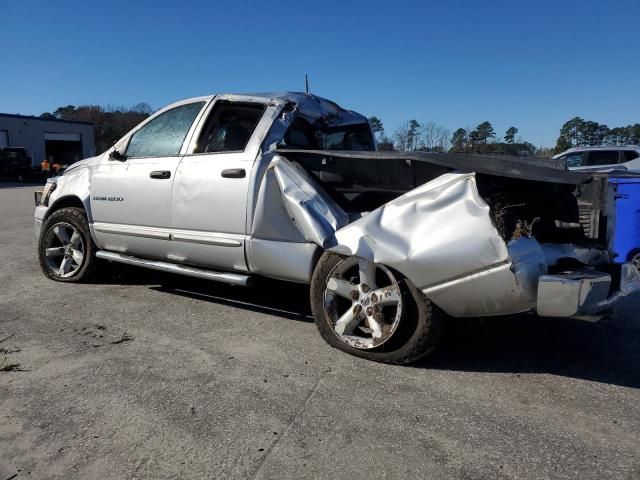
(309, 105)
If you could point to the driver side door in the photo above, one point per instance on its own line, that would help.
(131, 196)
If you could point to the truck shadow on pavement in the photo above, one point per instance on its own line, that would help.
(285, 299)
(607, 351)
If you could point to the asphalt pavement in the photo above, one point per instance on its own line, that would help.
(143, 375)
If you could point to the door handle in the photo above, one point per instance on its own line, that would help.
(161, 174)
(234, 173)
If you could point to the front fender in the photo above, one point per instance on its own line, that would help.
(72, 187)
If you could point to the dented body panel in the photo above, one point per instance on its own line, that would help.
(476, 235)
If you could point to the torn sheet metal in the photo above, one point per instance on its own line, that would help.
(290, 106)
(271, 221)
(440, 236)
(316, 108)
(433, 234)
(313, 213)
(508, 288)
(293, 217)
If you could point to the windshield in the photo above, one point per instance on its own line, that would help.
(301, 134)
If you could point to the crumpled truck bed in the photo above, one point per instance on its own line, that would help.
(440, 236)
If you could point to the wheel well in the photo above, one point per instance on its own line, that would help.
(315, 259)
(632, 254)
(64, 202)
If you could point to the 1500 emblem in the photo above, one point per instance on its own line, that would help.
(107, 199)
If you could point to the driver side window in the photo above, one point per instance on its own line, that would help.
(163, 136)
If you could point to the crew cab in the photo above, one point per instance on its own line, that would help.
(393, 244)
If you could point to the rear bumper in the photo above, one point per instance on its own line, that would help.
(583, 293)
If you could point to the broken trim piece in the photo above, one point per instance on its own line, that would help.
(313, 212)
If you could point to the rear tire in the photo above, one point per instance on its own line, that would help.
(412, 330)
(65, 248)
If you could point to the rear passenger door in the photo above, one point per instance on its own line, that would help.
(209, 205)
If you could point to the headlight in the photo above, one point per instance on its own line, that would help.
(46, 193)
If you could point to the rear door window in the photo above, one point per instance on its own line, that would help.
(630, 155)
(603, 157)
(229, 126)
(163, 136)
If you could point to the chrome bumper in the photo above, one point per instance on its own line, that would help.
(583, 293)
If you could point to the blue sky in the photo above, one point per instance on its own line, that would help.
(530, 64)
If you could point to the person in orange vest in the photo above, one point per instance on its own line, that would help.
(56, 168)
(46, 168)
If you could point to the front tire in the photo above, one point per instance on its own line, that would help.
(370, 311)
(65, 248)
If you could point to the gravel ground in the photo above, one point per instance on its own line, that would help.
(144, 375)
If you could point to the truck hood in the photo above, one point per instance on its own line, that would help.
(91, 161)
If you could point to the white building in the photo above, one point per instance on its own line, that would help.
(61, 141)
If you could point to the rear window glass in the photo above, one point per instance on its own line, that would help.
(301, 134)
(630, 155)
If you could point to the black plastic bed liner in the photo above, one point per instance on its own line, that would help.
(497, 165)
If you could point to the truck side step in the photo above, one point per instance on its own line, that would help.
(224, 277)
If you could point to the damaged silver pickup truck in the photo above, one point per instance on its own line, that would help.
(290, 186)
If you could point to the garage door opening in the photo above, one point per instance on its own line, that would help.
(63, 148)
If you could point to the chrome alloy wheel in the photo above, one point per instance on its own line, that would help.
(362, 303)
(63, 249)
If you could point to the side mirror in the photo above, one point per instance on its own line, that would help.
(116, 155)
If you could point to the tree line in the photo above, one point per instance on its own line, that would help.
(431, 137)
(110, 122)
(581, 133)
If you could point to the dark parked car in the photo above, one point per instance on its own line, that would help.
(15, 164)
